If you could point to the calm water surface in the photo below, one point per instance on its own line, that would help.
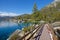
(7, 28)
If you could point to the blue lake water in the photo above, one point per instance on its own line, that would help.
(7, 28)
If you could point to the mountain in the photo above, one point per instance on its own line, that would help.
(52, 11)
(5, 18)
(54, 6)
(55, 3)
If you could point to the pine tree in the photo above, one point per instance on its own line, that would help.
(35, 9)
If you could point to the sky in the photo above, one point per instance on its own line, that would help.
(18, 7)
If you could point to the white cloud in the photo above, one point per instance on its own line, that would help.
(8, 14)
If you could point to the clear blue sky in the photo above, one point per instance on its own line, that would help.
(21, 6)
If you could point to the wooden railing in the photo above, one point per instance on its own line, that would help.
(31, 32)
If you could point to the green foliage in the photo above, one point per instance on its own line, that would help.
(35, 8)
(58, 5)
(14, 37)
(28, 29)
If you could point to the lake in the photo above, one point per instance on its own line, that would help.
(7, 28)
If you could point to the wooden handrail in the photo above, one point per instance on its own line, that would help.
(27, 34)
(34, 32)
